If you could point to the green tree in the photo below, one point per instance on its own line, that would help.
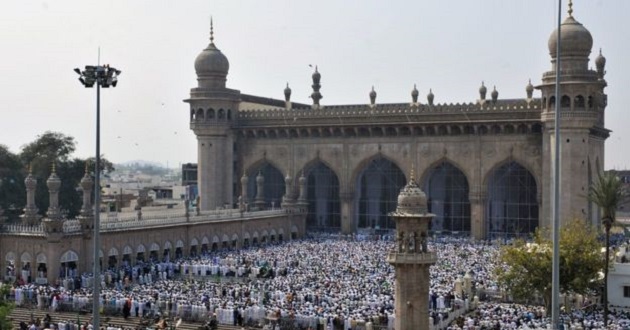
(6, 308)
(608, 193)
(527, 265)
(12, 193)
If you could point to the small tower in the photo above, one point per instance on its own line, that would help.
(411, 258)
(430, 97)
(372, 97)
(30, 216)
(414, 95)
(287, 97)
(287, 199)
(86, 217)
(259, 201)
(316, 95)
(53, 223)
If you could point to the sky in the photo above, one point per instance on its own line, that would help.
(448, 46)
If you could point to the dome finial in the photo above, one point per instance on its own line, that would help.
(30, 168)
(211, 31)
(54, 168)
(411, 175)
(570, 11)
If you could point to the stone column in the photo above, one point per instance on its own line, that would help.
(477, 214)
(302, 187)
(244, 183)
(346, 207)
(287, 200)
(260, 193)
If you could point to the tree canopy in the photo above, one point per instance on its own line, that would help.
(527, 265)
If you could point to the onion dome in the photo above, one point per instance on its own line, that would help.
(430, 97)
(372, 96)
(494, 94)
(414, 94)
(287, 93)
(529, 89)
(53, 183)
(412, 200)
(244, 178)
(482, 91)
(211, 61)
(316, 76)
(576, 39)
(302, 179)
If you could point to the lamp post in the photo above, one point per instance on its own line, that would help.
(103, 76)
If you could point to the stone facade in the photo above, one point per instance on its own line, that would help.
(483, 143)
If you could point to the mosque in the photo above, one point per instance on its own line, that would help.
(484, 165)
(271, 169)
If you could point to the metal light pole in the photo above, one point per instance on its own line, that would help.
(555, 268)
(103, 76)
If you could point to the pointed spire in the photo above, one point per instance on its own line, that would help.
(211, 31)
(570, 11)
(30, 168)
(86, 168)
(54, 168)
(412, 177)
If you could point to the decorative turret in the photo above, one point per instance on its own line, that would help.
(260, 193)
(287, 199)
(316, 95)
(53, 183)
(494, 94)
(600, 64)
(529, 89)
(30, 216)
(482, 92)
(287, 97)
(244, 183)
(86, 218)
(302, 186)
(414, 95)
(430, 97)
(372, 97)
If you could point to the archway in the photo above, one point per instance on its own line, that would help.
(166, 252)
(25, 266)
(322, 194)
(42, 269)
(10, 270)
(447, 197)
(512, 207)
(273, 185)
(127, 255)
(112, 260)
(179, 246)
(68, 264)
(193, 247)
(153, 252)
(377, 189)
(140, 251)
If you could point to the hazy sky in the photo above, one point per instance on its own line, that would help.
(449, 46)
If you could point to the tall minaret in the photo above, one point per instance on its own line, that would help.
(213, 110)
(411, 258)
(582, 131)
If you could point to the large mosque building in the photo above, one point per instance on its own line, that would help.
(484, 165)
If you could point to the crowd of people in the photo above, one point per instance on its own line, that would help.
(338, 282)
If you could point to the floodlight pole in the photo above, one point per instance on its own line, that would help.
(102, 76)
(97, 215)
(555, 268)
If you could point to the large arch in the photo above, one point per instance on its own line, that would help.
(377, 187)
(512, 208)
(273, 186)
(322, 194)
(447, 192)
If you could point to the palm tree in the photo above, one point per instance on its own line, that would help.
(608, 193)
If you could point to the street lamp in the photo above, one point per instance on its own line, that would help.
(103, 76)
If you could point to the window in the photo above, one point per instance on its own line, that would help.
(626, 291)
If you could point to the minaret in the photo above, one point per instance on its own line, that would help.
(582, 131)
(260, 192)
(316, 95)
(213, 111)
(287, 199)
(411, 258)
(86, 218)
(53, 223)
(30, 216)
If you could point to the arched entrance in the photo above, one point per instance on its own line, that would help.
(166, 253)
(42, 269)
(112, 260)
(377, 189)
(179, 247)
(10, 268)
(204, 245)
(127, 255)
(25, 267)
(193, 247)
(273, 186)
(447, 197)
(69, 262)
(154, 252)
(512, 207)
(322, 194)
(140, 251)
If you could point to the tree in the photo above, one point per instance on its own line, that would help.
(527, 265)
(608, 193)
(6, 308)
(12, 193)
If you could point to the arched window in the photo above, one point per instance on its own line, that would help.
(210, 113)
(447, 197)
(579, 102)
(512, 207)
(565, 101)
(322, 194)
(377, 191)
